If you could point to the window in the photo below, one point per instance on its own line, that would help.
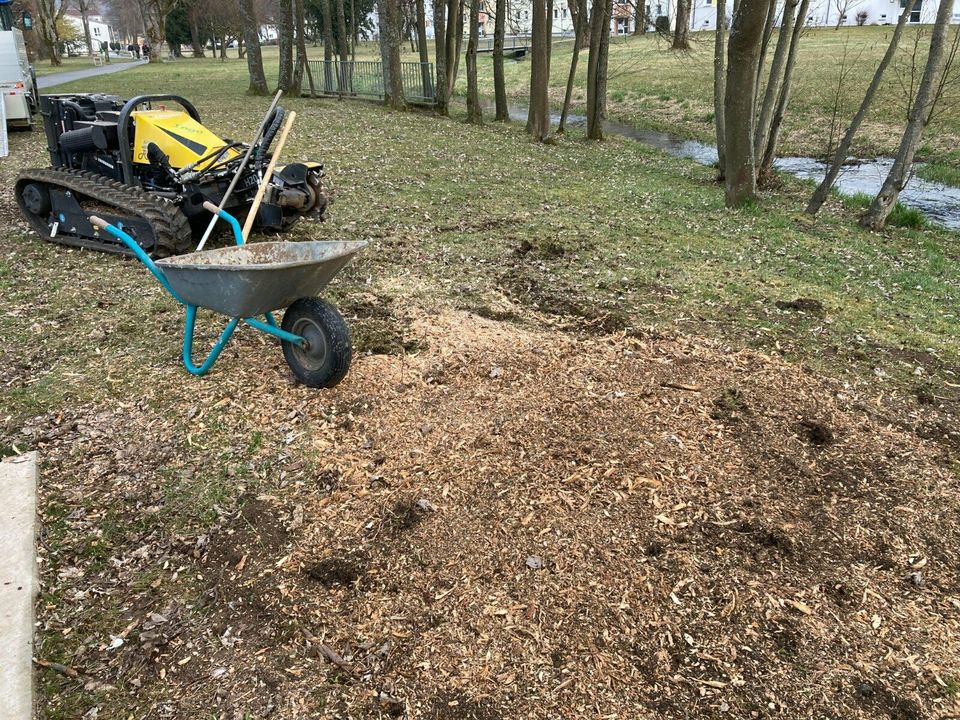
(556, 14)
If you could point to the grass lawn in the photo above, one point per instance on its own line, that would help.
(605, 445)
(652, 86)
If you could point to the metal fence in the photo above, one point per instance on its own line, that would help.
(364, 78)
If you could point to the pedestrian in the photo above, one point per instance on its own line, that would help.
(146, 51)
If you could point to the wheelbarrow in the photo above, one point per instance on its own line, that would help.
(246, 282)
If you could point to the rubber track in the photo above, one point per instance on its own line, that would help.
(171, 229)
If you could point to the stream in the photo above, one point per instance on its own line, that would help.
(939, 203)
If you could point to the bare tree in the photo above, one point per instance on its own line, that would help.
(538, 117)
(285, 41)
(499, 79)
(783, 100)
(155, 14)
(425, 76)
(844, 7)
(600, 15)
(474, 112)
(390, 41)
(440, 43)
(344, 80)
(775, 76)
(328, 52)
(300, 63)
(681, 36)
(720, 83)
(258, 82)
(83, 6)
(743, 58)
(876, 216)
(49, 13)
(195, 10)
(840, 155)
(454, 42)
(580, 21)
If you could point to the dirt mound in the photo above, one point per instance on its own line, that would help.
(522, 524)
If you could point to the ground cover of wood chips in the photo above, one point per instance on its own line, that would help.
(510, 523)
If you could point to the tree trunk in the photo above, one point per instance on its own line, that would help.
(285, 42)
(720, 84)
(639, 18)
(770, 153)
(743, 57)
(762, 131)
(328, 51)
(454, 37)
(499, 79)
(579, 21)
(538, 116)
(876, 216)
(840, 155)
(195, 43)
(390, 41)
(597, 67)
(425, 76)
(299, 23)
(440, 50)
(769, 18)
(84, 8)
(47, 29)
(342, 44)
(681, 39)
(474, 112)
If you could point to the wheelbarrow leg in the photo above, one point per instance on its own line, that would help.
(217, 348)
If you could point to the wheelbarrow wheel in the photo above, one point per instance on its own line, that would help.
(324, 359)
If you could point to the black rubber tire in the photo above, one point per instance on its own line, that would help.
(326, 359)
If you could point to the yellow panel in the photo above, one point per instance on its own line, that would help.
(181, 138)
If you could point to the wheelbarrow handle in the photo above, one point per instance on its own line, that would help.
(237, 230)
(135, 248)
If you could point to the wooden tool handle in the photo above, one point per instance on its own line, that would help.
(252, 213)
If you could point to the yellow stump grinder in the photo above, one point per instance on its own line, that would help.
(148, 170)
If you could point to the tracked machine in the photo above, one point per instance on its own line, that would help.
(149, 170)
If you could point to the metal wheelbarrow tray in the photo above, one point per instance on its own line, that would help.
(249, 280)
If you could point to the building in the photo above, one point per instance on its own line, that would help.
(99, 29)
(821, 13)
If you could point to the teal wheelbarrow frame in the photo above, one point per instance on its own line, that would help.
(246, 282)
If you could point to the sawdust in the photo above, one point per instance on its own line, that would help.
(717, 533)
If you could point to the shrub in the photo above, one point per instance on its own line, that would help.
(862, 18)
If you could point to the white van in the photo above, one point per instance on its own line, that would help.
(18, 84)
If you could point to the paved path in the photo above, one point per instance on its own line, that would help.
(46, 81)
(18, 584)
